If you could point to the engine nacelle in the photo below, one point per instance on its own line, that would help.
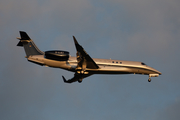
(58, 55)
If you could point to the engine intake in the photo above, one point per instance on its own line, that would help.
(58, 55)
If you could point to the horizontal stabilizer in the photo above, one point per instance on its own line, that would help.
(24, 35)
(20, 44)
(24, 38)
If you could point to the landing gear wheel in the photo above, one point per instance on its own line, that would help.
(79, 81)
(149, 80)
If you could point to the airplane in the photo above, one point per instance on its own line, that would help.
(82, 65)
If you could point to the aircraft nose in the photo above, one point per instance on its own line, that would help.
(155, 71)
(158, 72)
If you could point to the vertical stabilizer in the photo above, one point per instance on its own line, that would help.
(28, 44)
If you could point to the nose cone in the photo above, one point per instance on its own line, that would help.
(155, 71)
(160, 73)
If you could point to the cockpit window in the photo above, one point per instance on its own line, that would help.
(143, 63)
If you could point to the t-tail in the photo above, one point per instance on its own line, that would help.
(28, 44)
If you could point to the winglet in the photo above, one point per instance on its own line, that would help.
(64, 79)
(75, 41)
(78, 47)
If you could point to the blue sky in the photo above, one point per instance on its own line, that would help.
(136, 30)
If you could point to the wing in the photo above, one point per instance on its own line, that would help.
(84, 60)
(77, 77)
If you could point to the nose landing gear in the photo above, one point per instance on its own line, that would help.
(152, 75)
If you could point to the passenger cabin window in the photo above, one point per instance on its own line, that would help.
(120, 62)
(116, 62)
(112, 61)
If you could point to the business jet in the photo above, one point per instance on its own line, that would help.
(82, 65)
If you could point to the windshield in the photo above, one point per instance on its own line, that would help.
(143, 63)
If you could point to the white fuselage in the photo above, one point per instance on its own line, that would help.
(106, 66)
(82, 65)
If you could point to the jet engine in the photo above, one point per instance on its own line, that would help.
(57, 55)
